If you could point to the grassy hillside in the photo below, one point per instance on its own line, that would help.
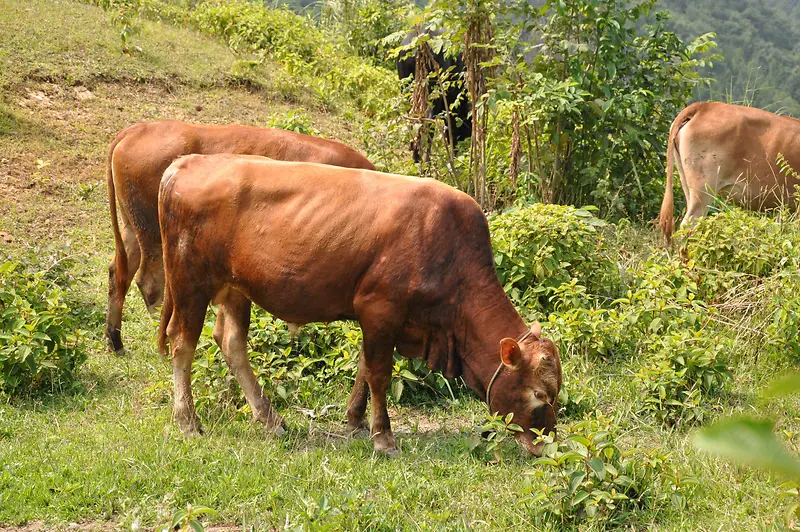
(107, 455)
(761, 45)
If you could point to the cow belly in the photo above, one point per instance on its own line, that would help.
(296, 293)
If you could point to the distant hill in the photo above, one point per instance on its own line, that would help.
(760, 40)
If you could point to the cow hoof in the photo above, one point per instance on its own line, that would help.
(389, 453)
(190, 428)
(114, 339)
(386, 445)
(195, 432)
(278, 431)
(358, 430)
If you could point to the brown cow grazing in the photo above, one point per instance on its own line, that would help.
(731, 151)
(137, 159)
(409, 258)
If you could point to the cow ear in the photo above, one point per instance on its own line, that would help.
(536, 330)
(510, 353)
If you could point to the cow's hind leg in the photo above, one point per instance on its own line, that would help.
(697, 204)
(357, 405)
(230, 333)
(116, 294)
(184, 330)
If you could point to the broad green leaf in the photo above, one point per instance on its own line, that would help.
(397, 389)
(579, 498)
(598, 467)
(748, 441)
(575, 480)
(788, 384)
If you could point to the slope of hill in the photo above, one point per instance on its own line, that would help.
(760, 41)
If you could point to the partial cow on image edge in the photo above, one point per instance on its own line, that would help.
(409, 258)
(458, 116)
(137, 158)
(731, 151)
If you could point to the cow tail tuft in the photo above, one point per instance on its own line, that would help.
(166, 315)
(120, 255)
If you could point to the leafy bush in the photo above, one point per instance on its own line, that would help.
(334, 76)
(582, 327)
(540, 247)
(249, 27)
(362, 24)
(286, 368)
(296, 121)
(40, 339)
(586, 477)
(782, 332)
(742, 242)
(577, 396)
(294, 370)
(495, 434)
(683, 373)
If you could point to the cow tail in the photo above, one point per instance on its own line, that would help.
(166, 315)
(666, 218)
(120, 255)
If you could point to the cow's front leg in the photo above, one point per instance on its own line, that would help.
(378, 350)
(230, 333)
(357, 405)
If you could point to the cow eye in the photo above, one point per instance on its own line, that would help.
(540, 395)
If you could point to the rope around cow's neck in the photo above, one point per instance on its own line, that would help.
(497, 372)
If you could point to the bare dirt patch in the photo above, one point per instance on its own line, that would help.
(39, 526)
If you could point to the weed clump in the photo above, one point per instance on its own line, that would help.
(41, 344)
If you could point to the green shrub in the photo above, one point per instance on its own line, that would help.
(496, 435)
(40, 339)
(590, 332)
(682, 375)
(540, 247)
(296, 121)
(249, 27)
(578, 395)
(585, 477)
(782, 333)
(663, 296)
(305, 53)
(740, 242)
(288, 369)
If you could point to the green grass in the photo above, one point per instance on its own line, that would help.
(110, 454)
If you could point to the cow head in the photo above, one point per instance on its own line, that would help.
(527, 384)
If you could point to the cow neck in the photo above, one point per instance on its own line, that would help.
(487, 316)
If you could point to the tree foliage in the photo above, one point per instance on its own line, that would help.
(590, 88)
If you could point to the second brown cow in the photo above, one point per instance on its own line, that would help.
(137, 159)
(409, 258)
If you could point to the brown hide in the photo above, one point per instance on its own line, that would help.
(730, 151)
(409, 258)
(138, 157)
